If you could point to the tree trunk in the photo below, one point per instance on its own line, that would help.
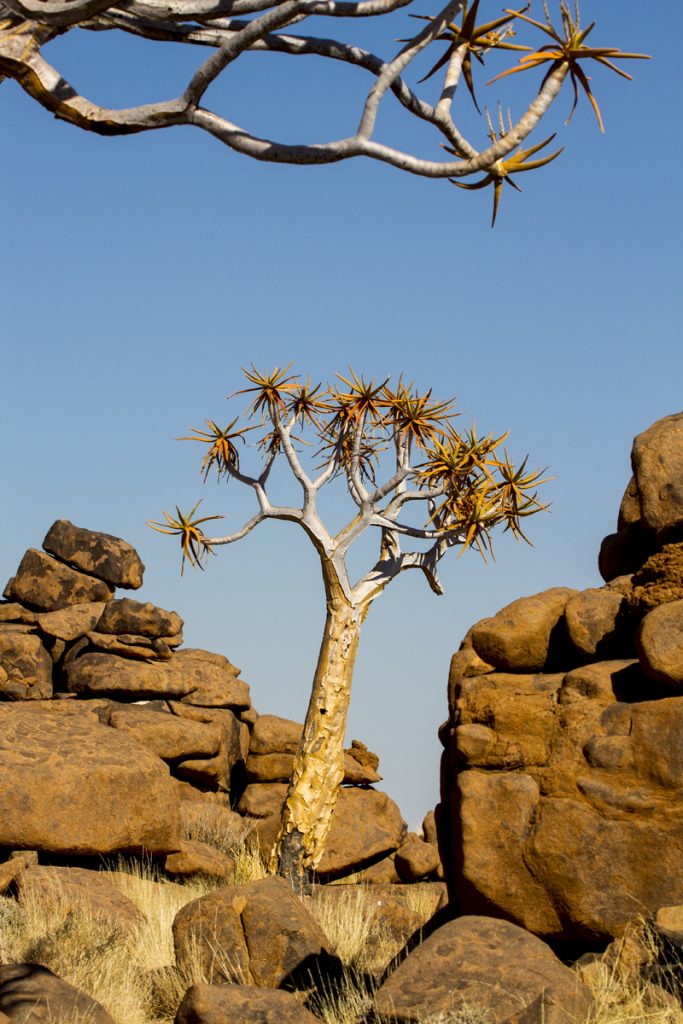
(319, 763)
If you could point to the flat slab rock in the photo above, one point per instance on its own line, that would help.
(99, 554)
(487, 964)
(48, 585)
(71, 785)
(187, 676)
(30, 994)
(246, 1004)
(143, 619)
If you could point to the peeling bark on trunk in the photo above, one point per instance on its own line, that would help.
(319, 763)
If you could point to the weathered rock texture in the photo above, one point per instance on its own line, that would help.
(30, 994)
(493, 966)
(563, 759)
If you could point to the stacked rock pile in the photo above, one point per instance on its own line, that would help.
(562, 796)
(112, 735)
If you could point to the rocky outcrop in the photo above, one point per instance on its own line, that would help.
(119, 689)
(563, 761)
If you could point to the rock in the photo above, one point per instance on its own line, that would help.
(72, 888)
(128, 616)
(30, 994)
(465, 662)
(360, 753)
(214, 679)
(629, 509)
(14, 865)
(524, 635)
(257, 933)
(657, 458)
(416, 860)
(47, 585)
(228, 761)
(274, 735)
(27, 668)
(73, 622)
(365, 825)
(625, 551)
(489, 964)
(169, 737)
(607, 682)
(660, 644)
(382, 873)
(266, 768)
(246, 1004)
(259, 799)
(669, 923)
(127, 645)
(660, 579)
(358, 767)
(429, 833)
(188, 679)
(98, 554)
(195, 857)
(597, 625)
(71, 785)
(12, 611)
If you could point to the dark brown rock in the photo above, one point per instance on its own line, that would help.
(143, 619)
(27, 668)
(71, 785)
(217, 771)
(657, 458)
(625, 551)
(629, 509)
(73, 622)
(241, 1004)
(520, 636)
(30, 994)
(99, 554)
(47, 585)
(660, 644)
(382, 873)
(489, 964)
(256, 933)
(12, 611)
(73, 888)
(267, 768)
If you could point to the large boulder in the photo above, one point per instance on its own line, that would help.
(259, 933)
(477, 962)
(275, 741)
(27, 668)
(99, 554)
(657, 459)
(73, 622)
(660, 579)
(31, 994)
(526, 634)
(660, 644)
(71, 785)
(48, 585)
(366, 825)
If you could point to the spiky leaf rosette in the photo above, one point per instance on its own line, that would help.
(193, 542)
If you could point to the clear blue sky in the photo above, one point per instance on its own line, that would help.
(139, 274)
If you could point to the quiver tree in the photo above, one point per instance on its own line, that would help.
(421, 485)
(555, 47)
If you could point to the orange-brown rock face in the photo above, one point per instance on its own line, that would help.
(563, 790)
(71, 785)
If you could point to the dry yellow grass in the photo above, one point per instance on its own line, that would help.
(133, 974)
